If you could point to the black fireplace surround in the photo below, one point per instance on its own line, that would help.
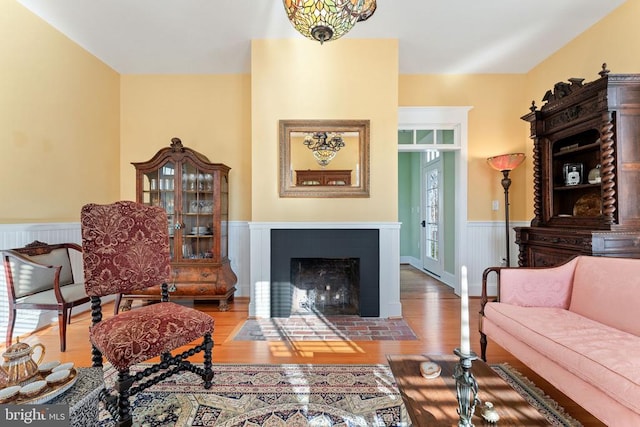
(287, 244)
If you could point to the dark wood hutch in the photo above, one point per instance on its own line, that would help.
(586, 165)
(195, 194)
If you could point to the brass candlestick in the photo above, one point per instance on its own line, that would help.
(466, 388)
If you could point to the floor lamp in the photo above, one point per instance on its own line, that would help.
(505, 163)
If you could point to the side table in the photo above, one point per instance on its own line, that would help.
(83, 398)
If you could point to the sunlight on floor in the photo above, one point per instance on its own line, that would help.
(311, 348)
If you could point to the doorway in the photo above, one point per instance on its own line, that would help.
(432, 225)
(433, 193)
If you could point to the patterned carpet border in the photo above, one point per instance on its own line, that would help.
(329, 328)
(271, 395)
(548, 407)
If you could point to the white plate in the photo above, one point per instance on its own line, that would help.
(67, 366)
(57, 376)
(48, 366)
(33, 388)
(57, 390)
(9, 392)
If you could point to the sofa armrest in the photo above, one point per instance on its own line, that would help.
(537, 286)
(485, 295)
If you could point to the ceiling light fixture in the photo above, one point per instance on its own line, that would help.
(326, 20)
(324, 145)
(367, 10)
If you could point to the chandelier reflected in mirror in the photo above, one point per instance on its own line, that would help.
(324, 145)
(326, 20)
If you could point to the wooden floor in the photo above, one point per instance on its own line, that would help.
(429, 307)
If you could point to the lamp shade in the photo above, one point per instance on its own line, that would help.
(324, 20)
(506, 162)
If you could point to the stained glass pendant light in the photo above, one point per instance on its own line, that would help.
(367, 10)
(325, 146)
(325, 20)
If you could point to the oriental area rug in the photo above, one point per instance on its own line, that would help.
(271, 395)
(295, 396)
(553, 412)
(324, 328)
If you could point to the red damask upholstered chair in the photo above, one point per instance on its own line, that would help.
(126, 247)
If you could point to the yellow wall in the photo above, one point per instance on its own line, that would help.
(59, 122)
(344, 79)
(494, 128)
(70, 126)
(613, 40)
(209, 113)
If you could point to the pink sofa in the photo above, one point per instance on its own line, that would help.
(577, 325)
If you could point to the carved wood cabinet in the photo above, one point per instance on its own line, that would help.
(586, 160)
(195, 194)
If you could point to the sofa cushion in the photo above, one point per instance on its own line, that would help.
(536, 287)
(601, 355)
(72, 292)
(606, 290)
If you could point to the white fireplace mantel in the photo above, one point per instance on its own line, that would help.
(260, 261)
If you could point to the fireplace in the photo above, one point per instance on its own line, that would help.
(351, 256)
(326, 286)
(386, 262)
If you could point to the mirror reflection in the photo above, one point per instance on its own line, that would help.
(324, 158)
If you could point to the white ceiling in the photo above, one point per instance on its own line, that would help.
(213, 36)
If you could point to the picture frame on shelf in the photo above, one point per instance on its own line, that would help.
(572, 173)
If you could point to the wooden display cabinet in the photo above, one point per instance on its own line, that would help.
(195, 194)
(586, 162)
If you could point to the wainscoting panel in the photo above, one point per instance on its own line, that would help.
(486, 248)
(239, 252)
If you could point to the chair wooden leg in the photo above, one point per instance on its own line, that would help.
(62, 322)
(122, 386)
(208, 367)
(10, 324)
(96, 357)
(483, 347)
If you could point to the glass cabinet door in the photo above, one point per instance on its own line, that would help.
(159, 190)
(197, 213)
(224, 216)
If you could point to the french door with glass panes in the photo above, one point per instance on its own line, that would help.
(432, 222)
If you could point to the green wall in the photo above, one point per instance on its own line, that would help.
(409, 203)
(409, 177)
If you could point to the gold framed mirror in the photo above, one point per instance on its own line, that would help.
(324, 158)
